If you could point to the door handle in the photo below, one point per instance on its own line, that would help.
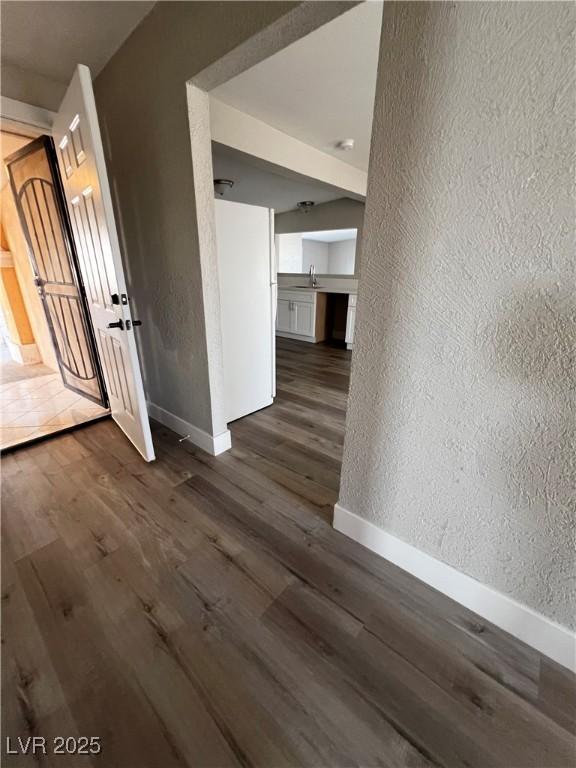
(118, 324)
(136, 322)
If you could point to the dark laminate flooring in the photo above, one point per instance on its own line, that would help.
(201, 611)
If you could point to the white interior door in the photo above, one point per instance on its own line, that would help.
(85, 180)
(246, 304)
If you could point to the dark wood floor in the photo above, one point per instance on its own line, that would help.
(201, 611)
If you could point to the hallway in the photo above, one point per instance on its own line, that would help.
(206, 604)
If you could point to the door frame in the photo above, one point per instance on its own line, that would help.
(36, 132)
(53, 160)
(46, 142)
(286, 30)
(25, 119)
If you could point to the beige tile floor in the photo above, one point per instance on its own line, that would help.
(39, 406)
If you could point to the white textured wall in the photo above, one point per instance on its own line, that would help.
(461, 421)
(343, 213)
(314, 252)
(341, 257)
(289, 247)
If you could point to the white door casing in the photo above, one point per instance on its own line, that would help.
(350, 322)
(273, 299)
(85, 181)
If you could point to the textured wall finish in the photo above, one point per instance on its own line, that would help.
(342, 257)
(159, 163)
(142, 106)
(461, 422)
(31, 87)
(337, 214)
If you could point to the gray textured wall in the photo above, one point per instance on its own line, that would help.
(344, 213)
(142, 107)
(31, 87)
(461, 423)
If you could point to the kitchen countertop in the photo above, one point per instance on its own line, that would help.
(318, 289)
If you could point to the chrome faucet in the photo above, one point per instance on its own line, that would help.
(312, 274)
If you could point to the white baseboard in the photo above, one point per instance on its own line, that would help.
(296, 337)
(534, 629)
(213, 445)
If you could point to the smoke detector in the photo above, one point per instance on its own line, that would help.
(345, 145)
(221, 186)
(305, 205)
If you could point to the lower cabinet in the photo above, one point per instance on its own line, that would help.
(303, 315)
(284, 315)
(350, 321)
(295, 317)
(297, 314)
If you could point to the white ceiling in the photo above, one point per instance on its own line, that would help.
(51, 37)
(321, 88)
(259, 183)
(331, 236)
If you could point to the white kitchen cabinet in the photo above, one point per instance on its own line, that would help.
(284, 315)
(303, 315)
(350, 321)
(300, 315)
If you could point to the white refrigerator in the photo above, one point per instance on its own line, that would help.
(248, 298)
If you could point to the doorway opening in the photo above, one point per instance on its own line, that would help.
(50, 377)
(281, 124)
(59, 187)
(285, 357)
(280, 280)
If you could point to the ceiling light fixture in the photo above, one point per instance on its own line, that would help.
(345, 145)
(221, 186)
(305, 206)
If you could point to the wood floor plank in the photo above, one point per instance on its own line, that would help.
(497, 710)
(557, 695)
(138, 624)
(98, 687)
(400, 693)
(40, 706)
(201, 611)
(299, 435)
